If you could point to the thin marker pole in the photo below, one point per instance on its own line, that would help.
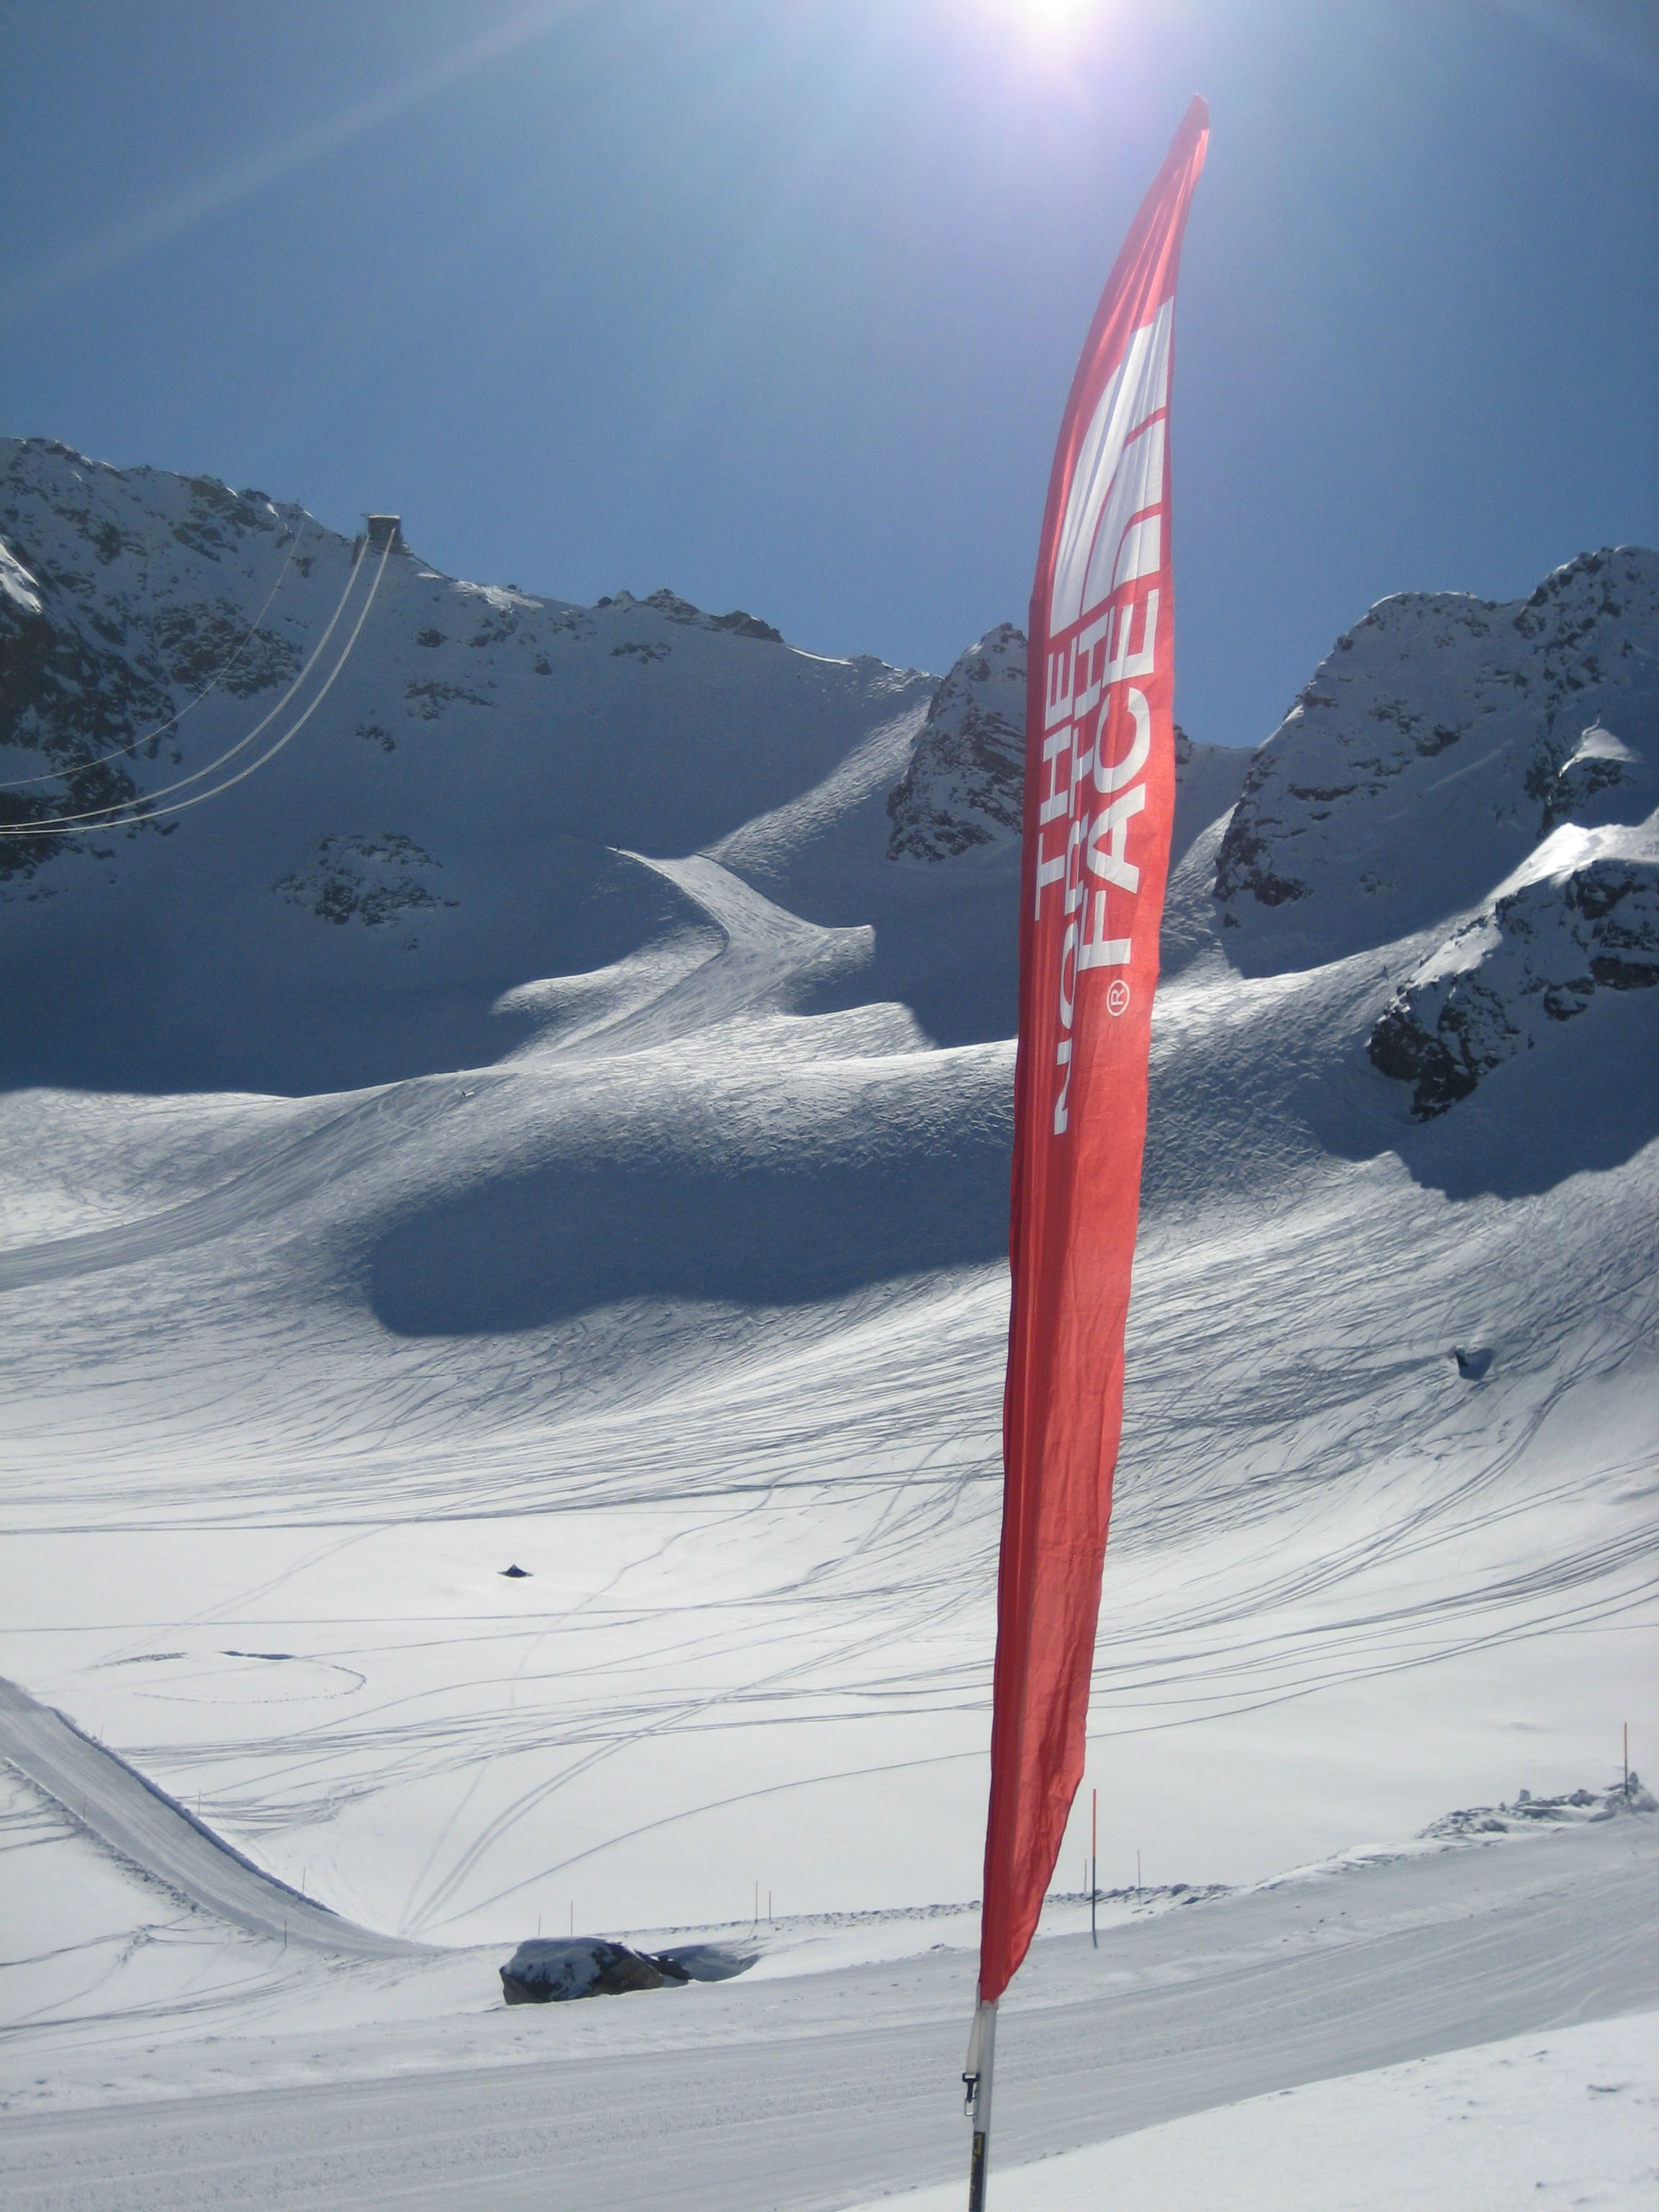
(1137, 1873)
(1094, 1864)
(1627, 1758)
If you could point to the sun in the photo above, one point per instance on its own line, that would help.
(1054, 15)
(1045, 21)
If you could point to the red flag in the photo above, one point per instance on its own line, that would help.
(1099, 799)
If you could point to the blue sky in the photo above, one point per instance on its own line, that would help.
(777, 303)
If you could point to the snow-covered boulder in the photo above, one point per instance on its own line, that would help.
(1434, 748)
(1573, 1808)
(1581, 915)
(555, 1970)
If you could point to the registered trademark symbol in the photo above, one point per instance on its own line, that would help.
(1117, 997)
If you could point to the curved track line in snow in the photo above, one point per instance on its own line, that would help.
(765, 948)
(146, 1829)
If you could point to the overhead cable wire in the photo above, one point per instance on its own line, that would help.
(181, 806)
(98, 816)
(52, 775)
(122, 813)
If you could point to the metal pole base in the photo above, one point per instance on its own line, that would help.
(981, 2053)
(976, 2171)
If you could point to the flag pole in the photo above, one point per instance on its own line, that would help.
(977, 2075)
(1098, 812)
(1098, 807)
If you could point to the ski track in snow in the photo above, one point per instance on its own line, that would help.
(689, 1299)
(145, 1830)
(816, 2088)
(1379, 1515)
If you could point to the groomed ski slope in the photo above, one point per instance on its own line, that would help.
(1551, 2120)
(542, 1123)
(292, 2078)
(699, 1323)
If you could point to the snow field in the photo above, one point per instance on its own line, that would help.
(754, 1638)
(299, 2078)
(634, 1215)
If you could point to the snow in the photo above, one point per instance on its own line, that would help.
(17, 583)
(537, 1122)
(1580, 914)
(1545, 2120)
(191, 2064)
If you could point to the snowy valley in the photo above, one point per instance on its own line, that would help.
(502, 1230)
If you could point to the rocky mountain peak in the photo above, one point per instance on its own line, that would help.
(964, 784)
(1439, 742)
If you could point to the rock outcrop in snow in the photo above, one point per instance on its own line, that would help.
(674, 609)
(965, 783)
(1581, 916)
(550, 1971)
(1571, 1808)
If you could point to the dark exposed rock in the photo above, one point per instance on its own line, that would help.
(1535, 955)
(555, 1972)
(374, 880)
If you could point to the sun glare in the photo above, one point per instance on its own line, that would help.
(1054, 15)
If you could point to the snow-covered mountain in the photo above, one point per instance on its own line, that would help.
(459, 818)
(1482, 775)
(554, 1113)
(965, 779)
(967, 774)
(1434, 747)
(468, 813)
